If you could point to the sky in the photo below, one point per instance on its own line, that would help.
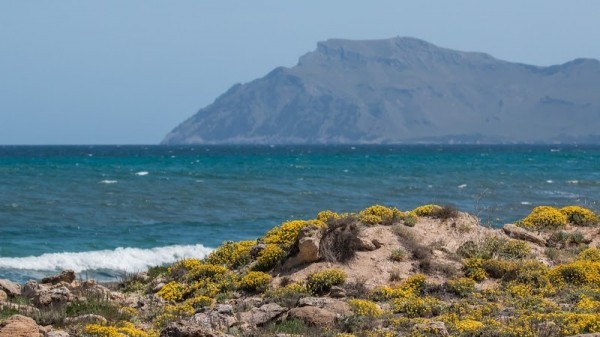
(127, 72)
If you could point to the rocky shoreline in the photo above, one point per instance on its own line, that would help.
(431, 271)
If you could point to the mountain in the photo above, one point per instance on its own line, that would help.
(403, 90)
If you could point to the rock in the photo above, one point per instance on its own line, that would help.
(225, 309)
(57, 333)
(338, 307)
(19, 326)
(586, 335)
(187, 329)
(308, 243)
(10, 288)
(214, 321)
(46, 294)
(433, 328)
(3, 296)
(313, 316)
(93, 288)
(67, 276)
(23, 309)
(86, 319)
(263, 314)
(363, 243)
(516, 232)
(337, 292)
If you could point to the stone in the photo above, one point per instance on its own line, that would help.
(10, 288)
(338, 307)
(586, 335)
(433, 328)
(23, 309)
(19, 326)
(263, 314)
(188, 329)
(3, 296)
(337, 292)
(67, 276)
(308, 242)
(46, 294)
(213, 321)
(93, 288)
(57, 333)
(313, 316)
(517, 232)
(86, 319)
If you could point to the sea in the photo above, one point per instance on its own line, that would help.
(109, 211)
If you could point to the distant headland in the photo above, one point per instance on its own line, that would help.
(403, 90)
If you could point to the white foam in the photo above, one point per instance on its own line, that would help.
(550, 181)
(108, 182)
(462, 186)
(141, 173)
(120, 259)
(525, 203)
(573, 181)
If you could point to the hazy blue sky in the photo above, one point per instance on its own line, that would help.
(127, 72)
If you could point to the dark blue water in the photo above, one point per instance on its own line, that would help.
(179, 200)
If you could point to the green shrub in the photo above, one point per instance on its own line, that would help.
(580, 216)
(462, 287)
(590, 254)
(398, 255)
(322, 281)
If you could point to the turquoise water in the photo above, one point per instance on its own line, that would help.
(103, 210)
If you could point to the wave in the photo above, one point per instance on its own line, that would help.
(108, 182)
(120, 259)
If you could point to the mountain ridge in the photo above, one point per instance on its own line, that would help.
(403, 90)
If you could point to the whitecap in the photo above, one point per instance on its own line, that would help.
(462, 186)
(142, 173)
(550, 181)
(120, 259)
(554, 150)
(108, 182)
(573, 181)
(525, 203)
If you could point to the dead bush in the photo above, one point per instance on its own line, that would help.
(339, 242)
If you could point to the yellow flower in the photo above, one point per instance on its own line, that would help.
(580, 216)
(365, 308)
(322, 281)
(255, 281)
(544, 217)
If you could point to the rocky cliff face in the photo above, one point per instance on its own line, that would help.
(403, 90)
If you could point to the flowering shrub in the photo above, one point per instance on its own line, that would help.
(377, 214)
(231, 254)
(417, 306)
(462, 286)
(201, 301)
(286, 234)
(473, 268)
(255, 281)
(206, 271)
(590, 254)
(580, 216)
(544, 217)
(268, 257)
(426, 210)
(468, 325)
(180, 268)
(322, 281)
(326, 216)
(123, 329)
(365, 308)
(172, 291)
(577, 273)
(289, 290)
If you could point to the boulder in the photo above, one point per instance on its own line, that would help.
(19, 326)
(214, 321)
(57, 333)
(308, 242)
(46, 294)
(86, 319)
(188, 329)
(67, 276)
(313, 316)
(23, 309)
(338, 307)
(517, 232)
(3, 296)
(337, 292)
(263, 314)
(92, 288)
(10, 288)
(432, 328)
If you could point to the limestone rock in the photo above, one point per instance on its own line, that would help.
(3, 296)
(57, 333)
(67, 276)
(516, 232)
(46, 294)
(308, 243)
(338, 307)
(92, 288)
(188, 329)
(10, 288)
(86, 319)
(587, 335)
(19, 326)
(433, 328)
(263, 314)
(214, 321)
(23, 309)
(313, 316)
(337, 292)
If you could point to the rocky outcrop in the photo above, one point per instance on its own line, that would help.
(19, 326)
(262, 315)
(307, 248)
(519, 233)
(433, 328)
(338, 307)
(67, 276)
(86, 319)
(215, 321)
(46, 294)
(313, 316)
(10, 288)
